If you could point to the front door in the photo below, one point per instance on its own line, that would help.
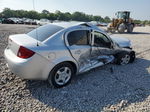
(101, 48)
(80, 48)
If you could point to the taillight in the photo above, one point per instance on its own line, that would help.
(25, 53)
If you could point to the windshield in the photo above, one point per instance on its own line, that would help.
(44, 32)
(123, 15)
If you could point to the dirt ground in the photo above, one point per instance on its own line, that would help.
(110, 88)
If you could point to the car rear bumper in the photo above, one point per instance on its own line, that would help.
(31, 68)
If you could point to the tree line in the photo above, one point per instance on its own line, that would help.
(57, 15)
(145, 22)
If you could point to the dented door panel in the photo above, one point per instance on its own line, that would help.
(101, 54)
(82, 55)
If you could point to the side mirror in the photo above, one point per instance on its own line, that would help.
(111, 45)
(95, 45)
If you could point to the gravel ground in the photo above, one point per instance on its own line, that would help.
(110, 88)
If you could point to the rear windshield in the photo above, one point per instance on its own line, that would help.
(43, 32)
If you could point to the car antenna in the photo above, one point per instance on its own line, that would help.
(36, 31)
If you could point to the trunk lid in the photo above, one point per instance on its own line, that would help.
(15, 41)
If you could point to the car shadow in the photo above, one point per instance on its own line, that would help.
(98, 89)
(146, 33)
(133, 33)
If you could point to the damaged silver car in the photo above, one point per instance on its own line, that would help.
(56, 52)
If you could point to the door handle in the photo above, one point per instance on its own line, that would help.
(78, 52)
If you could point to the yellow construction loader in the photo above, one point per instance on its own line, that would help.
(122, 23)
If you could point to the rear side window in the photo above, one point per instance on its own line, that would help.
(43, 32)
(79, 37)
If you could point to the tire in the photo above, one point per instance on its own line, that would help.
(132, 55)
(123, 58)
(61, 75)
(121, 28)
(130, 28)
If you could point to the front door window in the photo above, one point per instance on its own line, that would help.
(100, 40)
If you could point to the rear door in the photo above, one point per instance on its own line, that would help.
(80, 48)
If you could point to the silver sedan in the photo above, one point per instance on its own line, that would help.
(56, 52)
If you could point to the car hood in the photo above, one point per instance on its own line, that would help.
(122, 42)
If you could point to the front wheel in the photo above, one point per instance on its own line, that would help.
(123, 58)
(121, 28)
(61, 75)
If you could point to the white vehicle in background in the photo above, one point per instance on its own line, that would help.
(44, 21)
(30, 21)
(56, 52)
(96, 23)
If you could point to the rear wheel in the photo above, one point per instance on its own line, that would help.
(61, 75)
(130, 28)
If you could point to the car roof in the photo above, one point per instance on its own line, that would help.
(66, 25)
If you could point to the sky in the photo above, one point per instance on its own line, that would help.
(140, 9)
